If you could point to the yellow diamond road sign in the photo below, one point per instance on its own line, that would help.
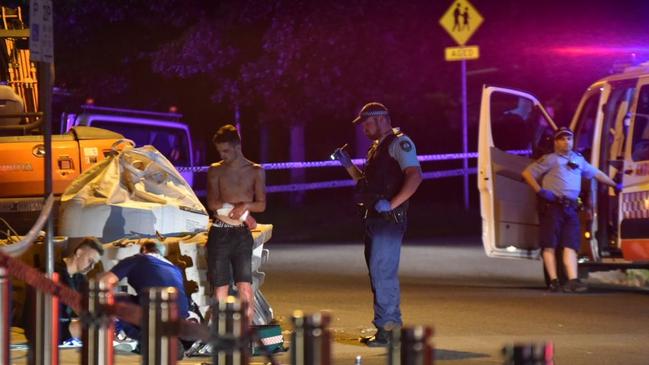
(461, 20)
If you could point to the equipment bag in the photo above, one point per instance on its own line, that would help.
(271, 337)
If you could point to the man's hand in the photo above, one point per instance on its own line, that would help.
(343, 157)
(618, 188)
(382, 206)
(250, 222)
(238, 210)
(547, 195)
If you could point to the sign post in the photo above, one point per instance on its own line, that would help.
(461, 20)
(41, 49)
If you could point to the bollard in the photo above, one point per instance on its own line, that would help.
(311, 339)
(98, 327)
(529, 354)
(229, 332)
(160, 326)
(411, 346)
(44, 349)
(5, 312)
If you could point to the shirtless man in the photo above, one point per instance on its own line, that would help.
(235, 187)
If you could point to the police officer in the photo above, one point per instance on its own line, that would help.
(390, 177)
(560, 174)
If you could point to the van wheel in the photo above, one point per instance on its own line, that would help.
(561, 271)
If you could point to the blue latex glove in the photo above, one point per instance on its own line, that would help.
(618, 188)
(547, 195)
(382, 206)
(342, 156)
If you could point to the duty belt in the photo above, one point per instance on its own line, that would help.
(568, 203)
(398, 214)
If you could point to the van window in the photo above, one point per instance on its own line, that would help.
(615, 123)
(172, 143)
(517, 124)
(586, 124)
(640, 150)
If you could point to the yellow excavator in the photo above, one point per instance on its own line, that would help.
(22, 148)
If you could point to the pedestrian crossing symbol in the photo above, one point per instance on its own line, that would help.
(461, 20)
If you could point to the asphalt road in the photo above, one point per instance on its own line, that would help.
(476, 305)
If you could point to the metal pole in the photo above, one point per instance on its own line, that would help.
(159, 327)
(45, 349)
(47, 353)
(465, 143)
(415, 347)
(98, 327)
(311, 339)
(229, 330)
(5, 312)
(529, 354)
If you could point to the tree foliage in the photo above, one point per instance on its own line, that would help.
(290, 61)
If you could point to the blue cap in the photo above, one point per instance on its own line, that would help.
(563, 131)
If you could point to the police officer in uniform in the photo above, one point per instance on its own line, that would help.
(390, 177)
(560, 174)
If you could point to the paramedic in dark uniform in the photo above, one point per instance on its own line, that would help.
(391, 175)
(560, 175)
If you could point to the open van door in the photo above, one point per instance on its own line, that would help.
(634, 208)
(514, 130)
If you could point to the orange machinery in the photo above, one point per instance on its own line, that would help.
(22, 169)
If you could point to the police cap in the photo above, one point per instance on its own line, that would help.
(371, 110)
(563, 131)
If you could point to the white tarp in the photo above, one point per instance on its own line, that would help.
(135, 192)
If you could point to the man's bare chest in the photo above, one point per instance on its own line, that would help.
(236, 181)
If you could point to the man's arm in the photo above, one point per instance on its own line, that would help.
(120, 270)
(531, 181)
(214, 201)
(354, 172)
(604, 179)
(411, 182)
(109, 279)
(258, 204)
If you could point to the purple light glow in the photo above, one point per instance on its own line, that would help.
(577, 51)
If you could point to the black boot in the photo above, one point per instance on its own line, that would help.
(380, 339)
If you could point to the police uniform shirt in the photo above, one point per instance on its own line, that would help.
(403, 150)
(558, 177)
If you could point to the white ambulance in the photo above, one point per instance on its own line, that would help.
(611, 128)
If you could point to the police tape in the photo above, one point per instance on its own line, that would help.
(128, 312)
(356, 161)
(332, 184)
(347, 182)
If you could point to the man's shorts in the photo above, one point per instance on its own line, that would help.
(229, 247)
(559, 226)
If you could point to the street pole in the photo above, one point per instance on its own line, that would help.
(46, 351)
(465, 143)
